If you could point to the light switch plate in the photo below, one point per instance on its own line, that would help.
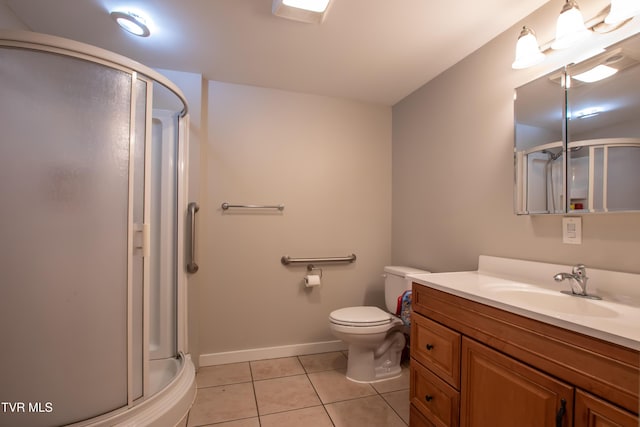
(572, 230)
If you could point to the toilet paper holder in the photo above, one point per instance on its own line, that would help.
(311, 269)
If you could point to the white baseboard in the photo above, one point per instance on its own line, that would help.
(270, 352)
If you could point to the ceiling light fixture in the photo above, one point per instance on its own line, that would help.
(132, 22)
(598, 72)
(312, 5)
(310, 11)
(571, 30)
(586, 113)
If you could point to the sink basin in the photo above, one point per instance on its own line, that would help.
(555, 301)
(528, 288)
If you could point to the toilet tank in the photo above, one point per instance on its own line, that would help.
(396, 282)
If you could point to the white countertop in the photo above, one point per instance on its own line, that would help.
(534, 294)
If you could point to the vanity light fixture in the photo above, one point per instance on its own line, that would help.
(527, 50)
(132, 22)
(571, 29)
(310, 11)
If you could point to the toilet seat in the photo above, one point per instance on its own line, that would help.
(366, 316)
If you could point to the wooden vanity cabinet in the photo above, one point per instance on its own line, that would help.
(500, 391)
(595, 412)
(474, 365)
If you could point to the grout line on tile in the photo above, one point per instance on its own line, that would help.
(290, 410)
(255, 398)
(281, 376)
(392, 408)
(315, 391)
(222, 385)
(251, 371)
(328, 415)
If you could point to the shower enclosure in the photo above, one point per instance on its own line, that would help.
(92, 217)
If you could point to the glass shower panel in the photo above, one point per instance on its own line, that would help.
(163, 183)
(137, 260)
(623, 178)
(64, 177)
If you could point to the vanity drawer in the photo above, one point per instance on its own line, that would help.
(436, 400)
(416, 419)
(436, 347)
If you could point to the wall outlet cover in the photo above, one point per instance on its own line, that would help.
(572, 230)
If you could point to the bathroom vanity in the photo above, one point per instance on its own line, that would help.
(490, 349)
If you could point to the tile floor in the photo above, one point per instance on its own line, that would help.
(309, 391)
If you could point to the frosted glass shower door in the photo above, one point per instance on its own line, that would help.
(64, 214)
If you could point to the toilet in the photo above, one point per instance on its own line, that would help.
(375, 336)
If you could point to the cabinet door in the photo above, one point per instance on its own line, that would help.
(594, 412)
(499, 391)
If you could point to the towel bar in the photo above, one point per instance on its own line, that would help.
(286, 260)
(226, 206)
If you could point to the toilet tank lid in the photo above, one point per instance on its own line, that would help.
(402, 271)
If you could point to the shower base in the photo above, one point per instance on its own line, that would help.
(172, 382)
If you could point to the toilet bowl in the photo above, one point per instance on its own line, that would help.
(375, 337)
(375, 345)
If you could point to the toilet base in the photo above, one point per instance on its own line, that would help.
(381, 375)
(364, 367)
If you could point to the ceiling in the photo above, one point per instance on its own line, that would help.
(376, 51)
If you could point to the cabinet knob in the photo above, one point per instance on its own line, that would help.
(428, 398)
(429, 346)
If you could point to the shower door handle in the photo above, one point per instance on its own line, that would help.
(193, 207)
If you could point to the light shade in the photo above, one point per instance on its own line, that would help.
(311, 5)
(598, 72)
(570, 27)
(311, 11)
(622, 10)
(527, 50)
(132, 22)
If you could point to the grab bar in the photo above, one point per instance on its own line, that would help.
(226, 206)
(286, 260)
(193, 207)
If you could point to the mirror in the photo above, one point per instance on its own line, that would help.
(593, 164)
(603, 131)
(539, 146)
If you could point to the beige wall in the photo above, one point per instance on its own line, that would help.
(453, 172)
(328, 161)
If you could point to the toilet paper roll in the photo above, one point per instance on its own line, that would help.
(311, 280)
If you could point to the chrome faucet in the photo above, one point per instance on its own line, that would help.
(578, 279)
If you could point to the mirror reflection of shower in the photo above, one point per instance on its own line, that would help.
(553, 177)
(549, 178)
(595, 121)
